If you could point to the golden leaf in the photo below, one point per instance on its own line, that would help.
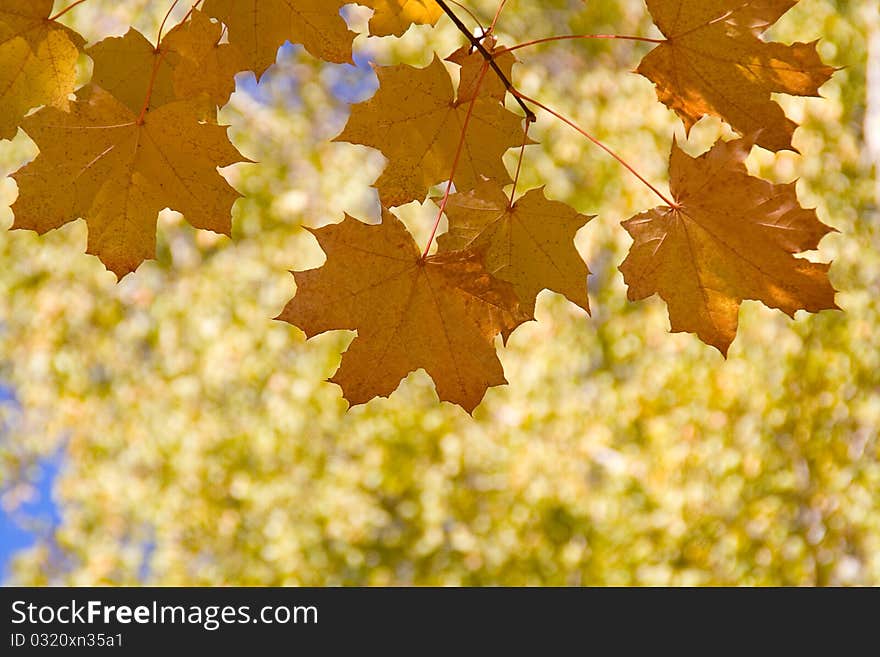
(190, 63)
(731, 238)
(37, 61)
(472, 61)
(529, 244)
(394, 17)
(713, 62)
(440, 313)
(259, 27)
(204, 66)
(416, 121)
(99, 163)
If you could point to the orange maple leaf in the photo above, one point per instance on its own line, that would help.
(713, 62)
(439, 313)
(731, 237)
(530, 244)
(394, 17)
(37, 61)
(259, 27)
(101, 163)
(416, 121)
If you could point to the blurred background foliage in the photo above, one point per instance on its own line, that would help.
(200, 445)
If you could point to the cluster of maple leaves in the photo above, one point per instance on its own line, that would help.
(142, 135)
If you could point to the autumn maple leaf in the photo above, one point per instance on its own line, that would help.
(259, 27)
(731, 237)
(117, 170)
(713, 62)
(529, 244)
(472, 81)
(39, 61)
(394, 17)
(189, 64)
(416, 121)
(439, 313)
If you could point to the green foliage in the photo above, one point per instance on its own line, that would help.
(202, 447)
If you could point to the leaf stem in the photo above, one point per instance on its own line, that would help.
(165, 20)
(598, 143)
(182, 20)
(522, 153)
(472, 15)
(192, 9)
(159, 57)
(455, 161)
(475, 42)
(65, 10)
(569, 37)
(497, 16)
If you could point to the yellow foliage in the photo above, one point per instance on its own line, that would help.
(201, 445)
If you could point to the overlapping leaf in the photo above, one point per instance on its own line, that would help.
(713, 62)
(101, 163)
(441, 313)
(416, 121)
(472, 61)
(37, 61)
(732, 238)
(124, 68)
(394, 17)
(259, 27)
(529, 244)
(189, 64)
(203, 66)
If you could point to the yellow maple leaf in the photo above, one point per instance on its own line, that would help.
(529, 244)
(732, 238)
(100, 163)
(37, 61)
(440, 313)
(394, 17)
(189, 64)
(259, 27)
(713, 62)
(416, 121)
